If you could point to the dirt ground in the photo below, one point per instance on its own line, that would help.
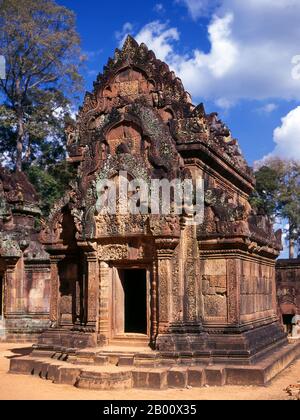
(18, 387)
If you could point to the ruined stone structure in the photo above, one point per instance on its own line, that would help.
(191, 294)
(24, 265)
(288, 290)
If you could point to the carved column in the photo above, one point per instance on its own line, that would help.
(92, 290)
(233, 285)
(165, 250)
(192, 289)
(104, 325)
(54, 289)
(154, 305)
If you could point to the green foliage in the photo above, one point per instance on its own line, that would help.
(265, 196)
(50, 184)
(42, 49)
(289, 196)
(278, 193)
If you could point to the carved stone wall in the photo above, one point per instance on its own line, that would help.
(214, 286)
(288, 286)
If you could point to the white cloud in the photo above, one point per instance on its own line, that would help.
(159, 38)
(268, 108)
(198, 8)
(159, 8)
(224, 103)
(252, 46)
(286, 138)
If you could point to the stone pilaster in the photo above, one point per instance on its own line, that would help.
(92, 290)
(192, 289)
(234, 293)
(104, 307)
(165, 251)
(154, 305)
(54, 289)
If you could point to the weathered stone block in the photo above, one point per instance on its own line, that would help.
(98, 380)
(195, 377)
(140, 378)
(67, 375)
(101, 360)
(37, 367)
(215, 376)
(52, 370)
(157, 379)
(44, 370)
(126, 361)
(177, 378)
(244, 376)
(22, 366)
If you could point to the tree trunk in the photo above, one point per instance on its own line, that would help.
(20, 142)
(291, 243)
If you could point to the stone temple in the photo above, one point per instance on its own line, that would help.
(167, 302)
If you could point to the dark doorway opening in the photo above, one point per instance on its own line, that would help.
(1, 296)
(287, 321)
(135, 291)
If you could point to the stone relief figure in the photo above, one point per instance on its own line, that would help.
(72, 134)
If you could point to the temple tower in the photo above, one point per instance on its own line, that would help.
(205, 290)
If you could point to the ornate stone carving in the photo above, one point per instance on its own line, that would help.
(112, 252)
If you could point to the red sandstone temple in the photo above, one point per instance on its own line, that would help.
(176, 294)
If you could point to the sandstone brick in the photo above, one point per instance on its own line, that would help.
(215, 376)
(195, 377)
(67, 375)
(157, 379)
(177, 378)
(23, 366)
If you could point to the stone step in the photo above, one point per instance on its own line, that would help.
(112, 377)
(107, 377)
(100, 379)
(133, 341)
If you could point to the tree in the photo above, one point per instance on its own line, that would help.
(278, 194)
(42, 50)
(50, 184)
(289, 202)
(266, 194)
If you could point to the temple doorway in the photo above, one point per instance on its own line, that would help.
(135, 305)
(131, 302)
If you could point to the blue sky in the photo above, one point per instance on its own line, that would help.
(233, 55)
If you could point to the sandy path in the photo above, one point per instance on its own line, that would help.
(18, 387)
